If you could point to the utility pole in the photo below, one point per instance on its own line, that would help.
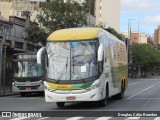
(4, 69)
(1, 45)
(130, 41)
(139, 34)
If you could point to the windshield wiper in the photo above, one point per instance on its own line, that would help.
(51, 80)
(58, 80)
(67, 64)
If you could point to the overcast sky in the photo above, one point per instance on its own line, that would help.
(145, 12)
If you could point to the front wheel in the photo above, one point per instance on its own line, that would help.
(22, 94)
(60, 104)
(103, 102)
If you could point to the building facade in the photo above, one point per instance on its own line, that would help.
(12, 33)
(18, 8)
(136, 37)
(102, 12)
(18, 34)
(157, 37)
(107, 13)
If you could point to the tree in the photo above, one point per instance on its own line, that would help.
(145, 57)
(57, 14)
(36, 35)
(112, 31)
(115, 33)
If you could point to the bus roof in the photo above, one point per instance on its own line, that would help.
(75, 34)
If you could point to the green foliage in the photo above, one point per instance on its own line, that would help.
(115, 33)
(145, 56)
(57, 14)
(112, 31)
(36, 35)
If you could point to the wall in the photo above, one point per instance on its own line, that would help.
(108, 12)
(5, 9)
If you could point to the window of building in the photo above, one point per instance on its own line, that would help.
(92, 7)
(30, 47)
(19, 45)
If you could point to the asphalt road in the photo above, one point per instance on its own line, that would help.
(142, 96)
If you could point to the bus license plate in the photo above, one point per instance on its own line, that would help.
(28, 89)
(71, 98)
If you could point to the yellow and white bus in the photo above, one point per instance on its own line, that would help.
(84, 64)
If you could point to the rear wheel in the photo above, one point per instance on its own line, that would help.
(121, 94)
(60, 104)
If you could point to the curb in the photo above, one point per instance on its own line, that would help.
(9, 94)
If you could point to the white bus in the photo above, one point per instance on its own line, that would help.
(84, 64)
(27, 74)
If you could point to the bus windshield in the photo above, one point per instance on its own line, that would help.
(72, 60)
(28, 68)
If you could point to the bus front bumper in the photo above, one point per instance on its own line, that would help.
(38, 88)
(71, 96)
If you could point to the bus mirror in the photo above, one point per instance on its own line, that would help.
(40, 53)
(100, 52)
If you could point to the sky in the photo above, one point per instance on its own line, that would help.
(145, 15)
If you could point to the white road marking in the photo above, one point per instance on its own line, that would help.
(134, 83)
(140, 92)
(148, 98)
(103, 118)
(157, 118)
(132, 118)
(9, 98)
(75, 118)
(19, 118)
(147, 102)
(43, 118)
(147, 79)
(142, 81)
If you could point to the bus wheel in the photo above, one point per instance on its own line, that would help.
(103, 102)
(121, 94)
(22, 94)
(60, 104)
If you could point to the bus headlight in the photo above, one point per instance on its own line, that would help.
(46, 87)
(14, 84)
(41, 83)
(92, 87)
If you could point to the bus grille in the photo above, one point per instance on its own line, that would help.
(24, 87)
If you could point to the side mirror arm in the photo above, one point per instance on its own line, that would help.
(39, 55)
(100, 52)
